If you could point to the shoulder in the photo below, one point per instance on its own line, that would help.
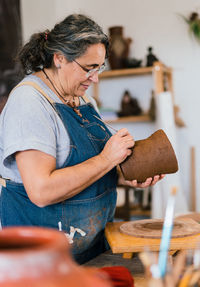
(27, 98)
(27, 105)
(35, 86)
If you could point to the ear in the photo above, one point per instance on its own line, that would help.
(58, 59)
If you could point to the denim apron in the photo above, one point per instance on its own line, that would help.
(89, 210)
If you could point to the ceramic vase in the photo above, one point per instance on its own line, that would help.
(119, 48)
(35, 257)
(150, 157)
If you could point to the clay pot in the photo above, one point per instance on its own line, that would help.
(150, 157)
(119, 48)
(32, 256)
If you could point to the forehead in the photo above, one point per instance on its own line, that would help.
(95, 52)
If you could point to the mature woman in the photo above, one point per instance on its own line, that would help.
(57, 158)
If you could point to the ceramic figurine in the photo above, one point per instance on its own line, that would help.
(129, 106)
(151, 58)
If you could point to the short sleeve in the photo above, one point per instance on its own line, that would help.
(27, 123)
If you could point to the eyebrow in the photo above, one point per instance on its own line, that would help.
(94, 65)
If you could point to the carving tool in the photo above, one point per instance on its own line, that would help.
(166, 233)
(106, 124)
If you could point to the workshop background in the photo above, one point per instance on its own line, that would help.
(156, 23)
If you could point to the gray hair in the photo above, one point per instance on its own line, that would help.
(71, 37)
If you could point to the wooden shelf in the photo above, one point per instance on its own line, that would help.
(134, 71)
(125, 72)
(162, 79)
(142, 118)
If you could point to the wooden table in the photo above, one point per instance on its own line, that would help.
(109, 259)
(127, 245)
(122, 244)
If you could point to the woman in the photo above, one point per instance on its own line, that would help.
(58, 158)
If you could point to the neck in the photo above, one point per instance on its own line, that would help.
(51, 82)
(70, 101)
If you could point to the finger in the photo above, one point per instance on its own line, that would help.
(162, 176)
(129, 152)
(146, 183)
(129, 144)
(155, 179)
(132, 183)
(122, 132)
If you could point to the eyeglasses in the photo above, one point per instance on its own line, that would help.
(91, 72)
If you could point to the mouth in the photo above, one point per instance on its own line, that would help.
(85, 86)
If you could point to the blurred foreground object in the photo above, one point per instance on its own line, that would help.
(35, 257)
(120, 276)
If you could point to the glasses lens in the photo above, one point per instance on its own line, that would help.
(101, 69)
(91, 72)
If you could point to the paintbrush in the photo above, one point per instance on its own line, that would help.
(166, 233)
(196, 272)
(178, 266)
(106, 124)
(186, 277)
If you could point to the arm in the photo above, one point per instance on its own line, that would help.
(47, 185)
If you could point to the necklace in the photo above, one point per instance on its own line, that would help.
(65, 100)
(47, 77)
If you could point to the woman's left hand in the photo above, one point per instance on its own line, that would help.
(149, 181)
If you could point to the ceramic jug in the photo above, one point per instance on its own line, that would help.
(119, 47)
(150, 157)
(35, 257)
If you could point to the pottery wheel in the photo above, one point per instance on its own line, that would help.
(152, 228)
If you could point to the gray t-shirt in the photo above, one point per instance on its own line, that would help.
(28, 121)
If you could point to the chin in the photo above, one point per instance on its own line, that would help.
(80, 93)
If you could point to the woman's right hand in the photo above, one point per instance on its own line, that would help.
(118, 147)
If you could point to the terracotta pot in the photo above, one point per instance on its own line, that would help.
(32, 256)
(119, 48)
(150, 157)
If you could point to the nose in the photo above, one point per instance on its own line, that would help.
(95, 77)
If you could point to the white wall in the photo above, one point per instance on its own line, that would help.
(155, 23)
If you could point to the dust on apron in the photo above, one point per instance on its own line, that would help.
(89, 210)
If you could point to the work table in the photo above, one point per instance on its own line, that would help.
(109, 259)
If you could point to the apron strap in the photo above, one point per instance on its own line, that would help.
(86, 100)
(37, 87)
(2, 182)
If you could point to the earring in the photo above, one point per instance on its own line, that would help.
(58, 66)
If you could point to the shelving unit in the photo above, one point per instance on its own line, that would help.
(162, 77)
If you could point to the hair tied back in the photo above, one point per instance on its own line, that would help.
(46, 35)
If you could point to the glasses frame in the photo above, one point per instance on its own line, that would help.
(91, 72)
